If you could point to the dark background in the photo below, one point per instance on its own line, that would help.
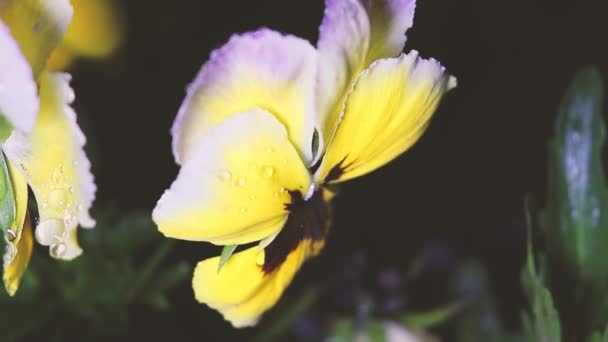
(461, 187)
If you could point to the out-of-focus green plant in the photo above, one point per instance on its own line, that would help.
(94, 293)
(569, 280)
(541, 323)
(575, 220)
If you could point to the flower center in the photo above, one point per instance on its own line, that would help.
(308, 220)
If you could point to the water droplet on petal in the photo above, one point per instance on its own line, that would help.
(268, 171)
(58, 249)
(11, 235)
(242, 181)
(224, 175)
(57, 198)
(252, 197)
(243, 210)
(69, 220)
(269, 149)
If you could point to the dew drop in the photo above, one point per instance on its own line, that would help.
(11, 235)
(276, 194)
(57, 198)
(268, 171)
(58, 249)
(241, 181)
(69, 220)
(269, 149)
(243, 210)
(55, 177)
(224, 175)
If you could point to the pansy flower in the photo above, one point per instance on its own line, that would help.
(269, 123)
(40, 140)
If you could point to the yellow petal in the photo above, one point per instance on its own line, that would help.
(55, 166)
(262, 69)
(37, 25)
(19, 239)
(386, 112)
(242, 291)
(95, 30)
(353, 34)
(14, 270)
(234, 187)
(60, 59)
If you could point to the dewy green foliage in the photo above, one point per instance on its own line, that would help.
(575, 219)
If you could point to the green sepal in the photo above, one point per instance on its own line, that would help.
(225, 256)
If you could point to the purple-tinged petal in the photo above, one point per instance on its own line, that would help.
(18, 93)
(352, 35)
(262, 69)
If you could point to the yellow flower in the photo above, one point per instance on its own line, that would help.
(41, 142)
(266, 111)
(95, 32)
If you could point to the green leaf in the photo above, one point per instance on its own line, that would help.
(7, 198)
(424, 320)
(542, 322)
(575, 219)
(226, 254)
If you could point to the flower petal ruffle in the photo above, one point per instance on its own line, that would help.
(263, 69)
(52, 160)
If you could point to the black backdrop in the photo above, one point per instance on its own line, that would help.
(461, 186)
